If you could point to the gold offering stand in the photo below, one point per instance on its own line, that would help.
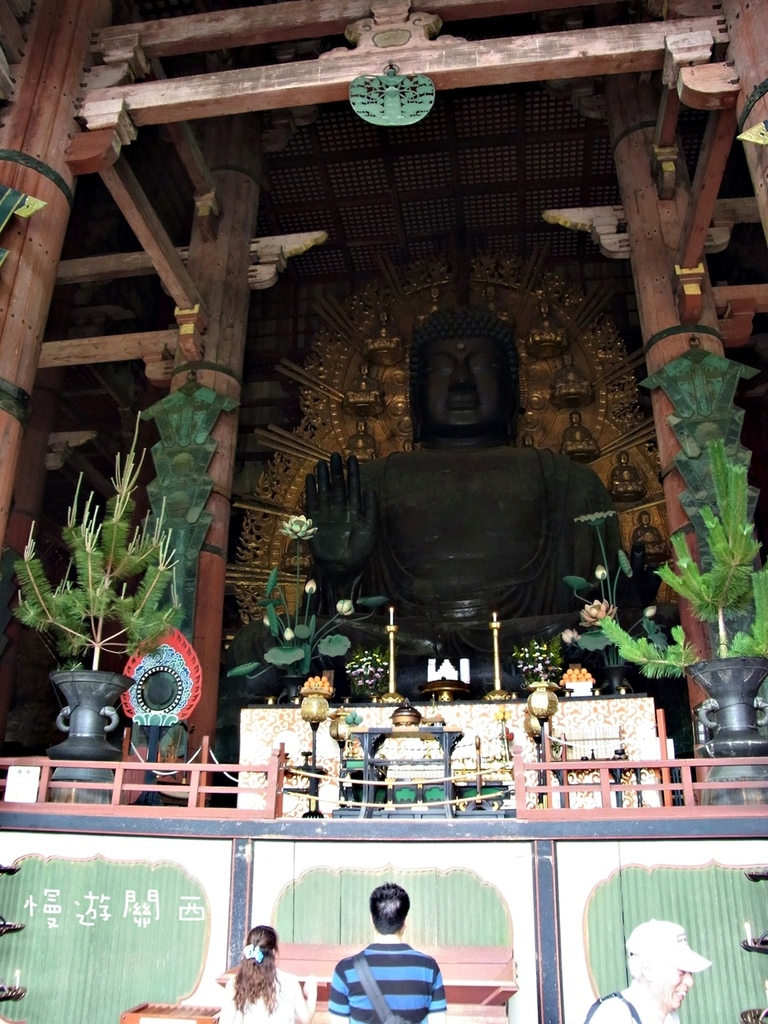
(446, 689)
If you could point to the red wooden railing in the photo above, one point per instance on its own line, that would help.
(649, 788)
(540, 790)
(185, 791)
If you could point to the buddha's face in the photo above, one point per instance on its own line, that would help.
(465, 390)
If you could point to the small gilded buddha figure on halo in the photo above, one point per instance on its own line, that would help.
(570, 388)
(645, 533)
(626, 482)
(577, 441)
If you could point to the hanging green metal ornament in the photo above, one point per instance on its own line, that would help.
(392, 99)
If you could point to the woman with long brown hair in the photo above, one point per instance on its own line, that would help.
(261, 993)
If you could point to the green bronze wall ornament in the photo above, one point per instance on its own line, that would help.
(701, 387)
(392, 99)
(185, 420)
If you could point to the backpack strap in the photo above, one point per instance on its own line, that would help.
(613, 995)
(372, 990)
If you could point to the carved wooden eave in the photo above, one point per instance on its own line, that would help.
(157, 348)
(61, 444)
(268, 254)
(736, 305)
(603, 224)
(574, 54)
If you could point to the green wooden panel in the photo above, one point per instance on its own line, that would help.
(448, 908)
(711, 903)
(100, 936)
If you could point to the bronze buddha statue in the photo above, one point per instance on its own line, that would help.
(466, 524)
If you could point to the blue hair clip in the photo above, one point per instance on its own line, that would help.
(253, 953)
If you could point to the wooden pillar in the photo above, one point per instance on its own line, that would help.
(219, 267)
(28, 502)
(747, 25)
(37, 124)
(653, 227)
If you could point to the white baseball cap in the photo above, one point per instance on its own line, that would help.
(667, 942)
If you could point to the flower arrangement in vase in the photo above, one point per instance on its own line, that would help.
(591, 636)
(298, 637)
(368, 673)
(538, 661)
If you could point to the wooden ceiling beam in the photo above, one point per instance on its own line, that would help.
(576, 54)
(268, 250)
(292, 19)
(146, 225)
(111, 348)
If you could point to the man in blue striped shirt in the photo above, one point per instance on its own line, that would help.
(410, 981)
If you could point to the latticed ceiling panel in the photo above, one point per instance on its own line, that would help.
(601, 155)
(480, 114)
(604, 195)
(419, 250)
(429, 215)
(545, 110)
(561, 245)
(422, 171)
(433, 130)
(537, 200)
(555, 158)
(485, 164)
(318, 219)
(323, 261)
(491, 210)
(299, 145)
(368, 220)
(365, 259)
(339, 130)
(358, 178)
(302, 185)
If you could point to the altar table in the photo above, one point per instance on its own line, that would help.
(586, 727)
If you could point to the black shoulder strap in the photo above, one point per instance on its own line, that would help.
(372, 990)
(613, 995)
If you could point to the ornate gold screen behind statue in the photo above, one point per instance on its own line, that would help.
(578, 396)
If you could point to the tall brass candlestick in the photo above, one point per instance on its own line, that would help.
(496, 693)
(392, 696)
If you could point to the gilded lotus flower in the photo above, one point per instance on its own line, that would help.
(592, 614)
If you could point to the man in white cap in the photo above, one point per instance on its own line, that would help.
(662, 965)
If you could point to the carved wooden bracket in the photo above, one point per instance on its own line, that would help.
(736, 306)
(665, 170)
(708, 86)
(207, 211)
(113, 113)
(92, 152)
(682, 51)
(392, 26)
(126, 48)
(192, 324)
(689, 299)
